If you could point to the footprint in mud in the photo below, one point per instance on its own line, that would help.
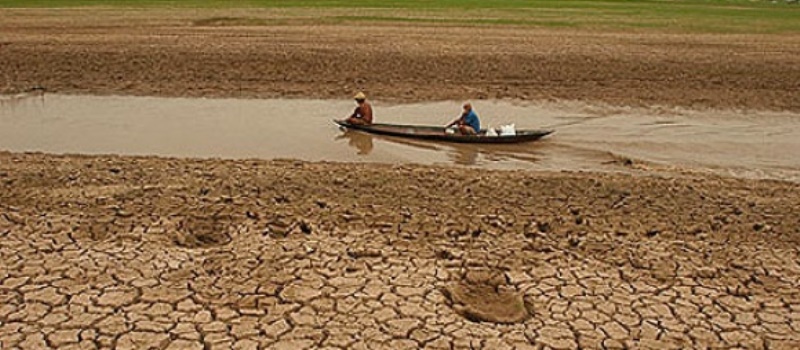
(201, 232)
(484, 296)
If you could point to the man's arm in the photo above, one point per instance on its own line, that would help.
(454, 122)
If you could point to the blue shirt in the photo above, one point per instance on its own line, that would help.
(471, 119)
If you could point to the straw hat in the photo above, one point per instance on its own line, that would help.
(360, 96)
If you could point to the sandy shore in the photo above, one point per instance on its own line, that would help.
(101, 252)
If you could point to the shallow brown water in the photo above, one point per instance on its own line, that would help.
(588, 137)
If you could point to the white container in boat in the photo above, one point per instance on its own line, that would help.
(508, 130)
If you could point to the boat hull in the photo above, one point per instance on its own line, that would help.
(437, 133)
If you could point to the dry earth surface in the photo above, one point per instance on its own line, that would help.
(140, 252)
(134, 253)
(187, 53)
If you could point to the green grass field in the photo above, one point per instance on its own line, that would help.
(696, 16)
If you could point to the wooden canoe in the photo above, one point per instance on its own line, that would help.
(437, 133)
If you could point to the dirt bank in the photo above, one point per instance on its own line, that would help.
(150, 53)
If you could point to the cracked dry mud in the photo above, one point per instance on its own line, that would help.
(153, 253)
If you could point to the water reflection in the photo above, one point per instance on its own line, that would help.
(465, 155)
(461, 154)
(358, 140)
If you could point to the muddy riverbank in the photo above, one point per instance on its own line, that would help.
(172, 53)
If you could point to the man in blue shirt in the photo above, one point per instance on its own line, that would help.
(468, 123)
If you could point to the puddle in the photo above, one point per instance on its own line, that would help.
(588, 137)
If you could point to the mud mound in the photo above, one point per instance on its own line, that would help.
(482, 296)
(201, 232)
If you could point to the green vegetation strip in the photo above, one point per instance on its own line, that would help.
(713, 16)
(404, 4)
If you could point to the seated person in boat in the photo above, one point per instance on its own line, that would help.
(363, 113)
(468, 123)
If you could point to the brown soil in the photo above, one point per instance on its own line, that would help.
(148, 53)
(201, 232)
(484, 295)
(485, 303)
(143, 252)
(316, 255)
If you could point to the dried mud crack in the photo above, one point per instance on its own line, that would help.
(393, 259)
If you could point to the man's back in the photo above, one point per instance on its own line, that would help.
(366, 112)
(471, 119)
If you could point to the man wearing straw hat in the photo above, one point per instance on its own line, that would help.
(363, 113)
